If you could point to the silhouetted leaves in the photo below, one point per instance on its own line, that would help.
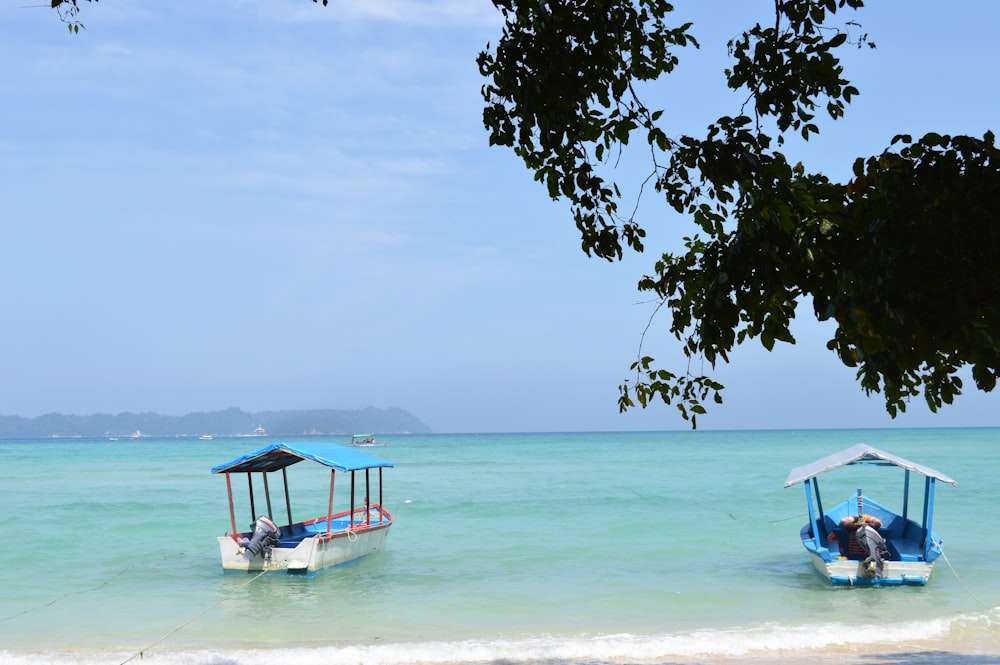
(903, 256)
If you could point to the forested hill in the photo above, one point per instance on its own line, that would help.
(229, 422)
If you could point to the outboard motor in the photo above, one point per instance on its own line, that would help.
(871, 540)
(265, 536)
(874, 543)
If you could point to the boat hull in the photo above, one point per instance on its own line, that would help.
(847, 572)
(309, 556)
(840, 559)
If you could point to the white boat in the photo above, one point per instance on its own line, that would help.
(205, 437)
(366, 440)
(304, 547)
(259, 431)
(861, 542)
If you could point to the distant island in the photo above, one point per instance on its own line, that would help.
(228, 422)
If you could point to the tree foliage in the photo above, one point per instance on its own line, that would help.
(902, 257)
(69, 11)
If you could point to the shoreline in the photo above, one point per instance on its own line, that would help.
(981, 649)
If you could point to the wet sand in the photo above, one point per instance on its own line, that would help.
(978, 650)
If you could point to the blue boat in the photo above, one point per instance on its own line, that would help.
(277, 543)
(861, 542)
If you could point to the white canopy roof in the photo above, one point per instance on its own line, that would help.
(860, 454)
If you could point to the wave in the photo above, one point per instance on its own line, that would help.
(763, 642)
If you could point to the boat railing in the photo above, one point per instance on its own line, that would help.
(346, 520)
(328, 527)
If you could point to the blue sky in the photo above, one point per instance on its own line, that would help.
(270, 204)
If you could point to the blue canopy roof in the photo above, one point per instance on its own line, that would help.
(279, 455)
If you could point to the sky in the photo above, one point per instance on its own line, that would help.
(271, 204)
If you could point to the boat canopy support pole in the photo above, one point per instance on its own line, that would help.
(329, 505)
(232, 511)
(812, 513)
(352, 498)
(928, 515)
(288, 504)
(267, 496)
(819, 500)
(368, 495)
(927, 485)
(380, 495)
(253, 508)
(906, 499)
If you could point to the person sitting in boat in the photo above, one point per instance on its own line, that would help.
(865, 529)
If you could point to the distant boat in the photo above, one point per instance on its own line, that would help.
(366, 440)
(137, 434)
(306, 547)
(205, 437)
(259, 431)
(860, 542)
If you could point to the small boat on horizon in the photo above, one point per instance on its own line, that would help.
(366, 440)
(260, 431)
(205, 437)
(861, 542)
(304, 547)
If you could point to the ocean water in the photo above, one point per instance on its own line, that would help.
(674, 547)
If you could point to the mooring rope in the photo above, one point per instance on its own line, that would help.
(95, 587)
(785, 519)
(957, 577)
(67, 594)
(211, 607)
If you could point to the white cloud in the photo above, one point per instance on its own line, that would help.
(411, 12)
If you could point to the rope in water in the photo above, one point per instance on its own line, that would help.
(957, 577)
(66, 595)
(785, 519)
(139, 654)
(95, 587)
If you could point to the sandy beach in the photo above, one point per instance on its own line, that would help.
(981, 650)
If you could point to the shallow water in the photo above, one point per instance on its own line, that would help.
(638, 547)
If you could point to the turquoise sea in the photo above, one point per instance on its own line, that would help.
(589, 548)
